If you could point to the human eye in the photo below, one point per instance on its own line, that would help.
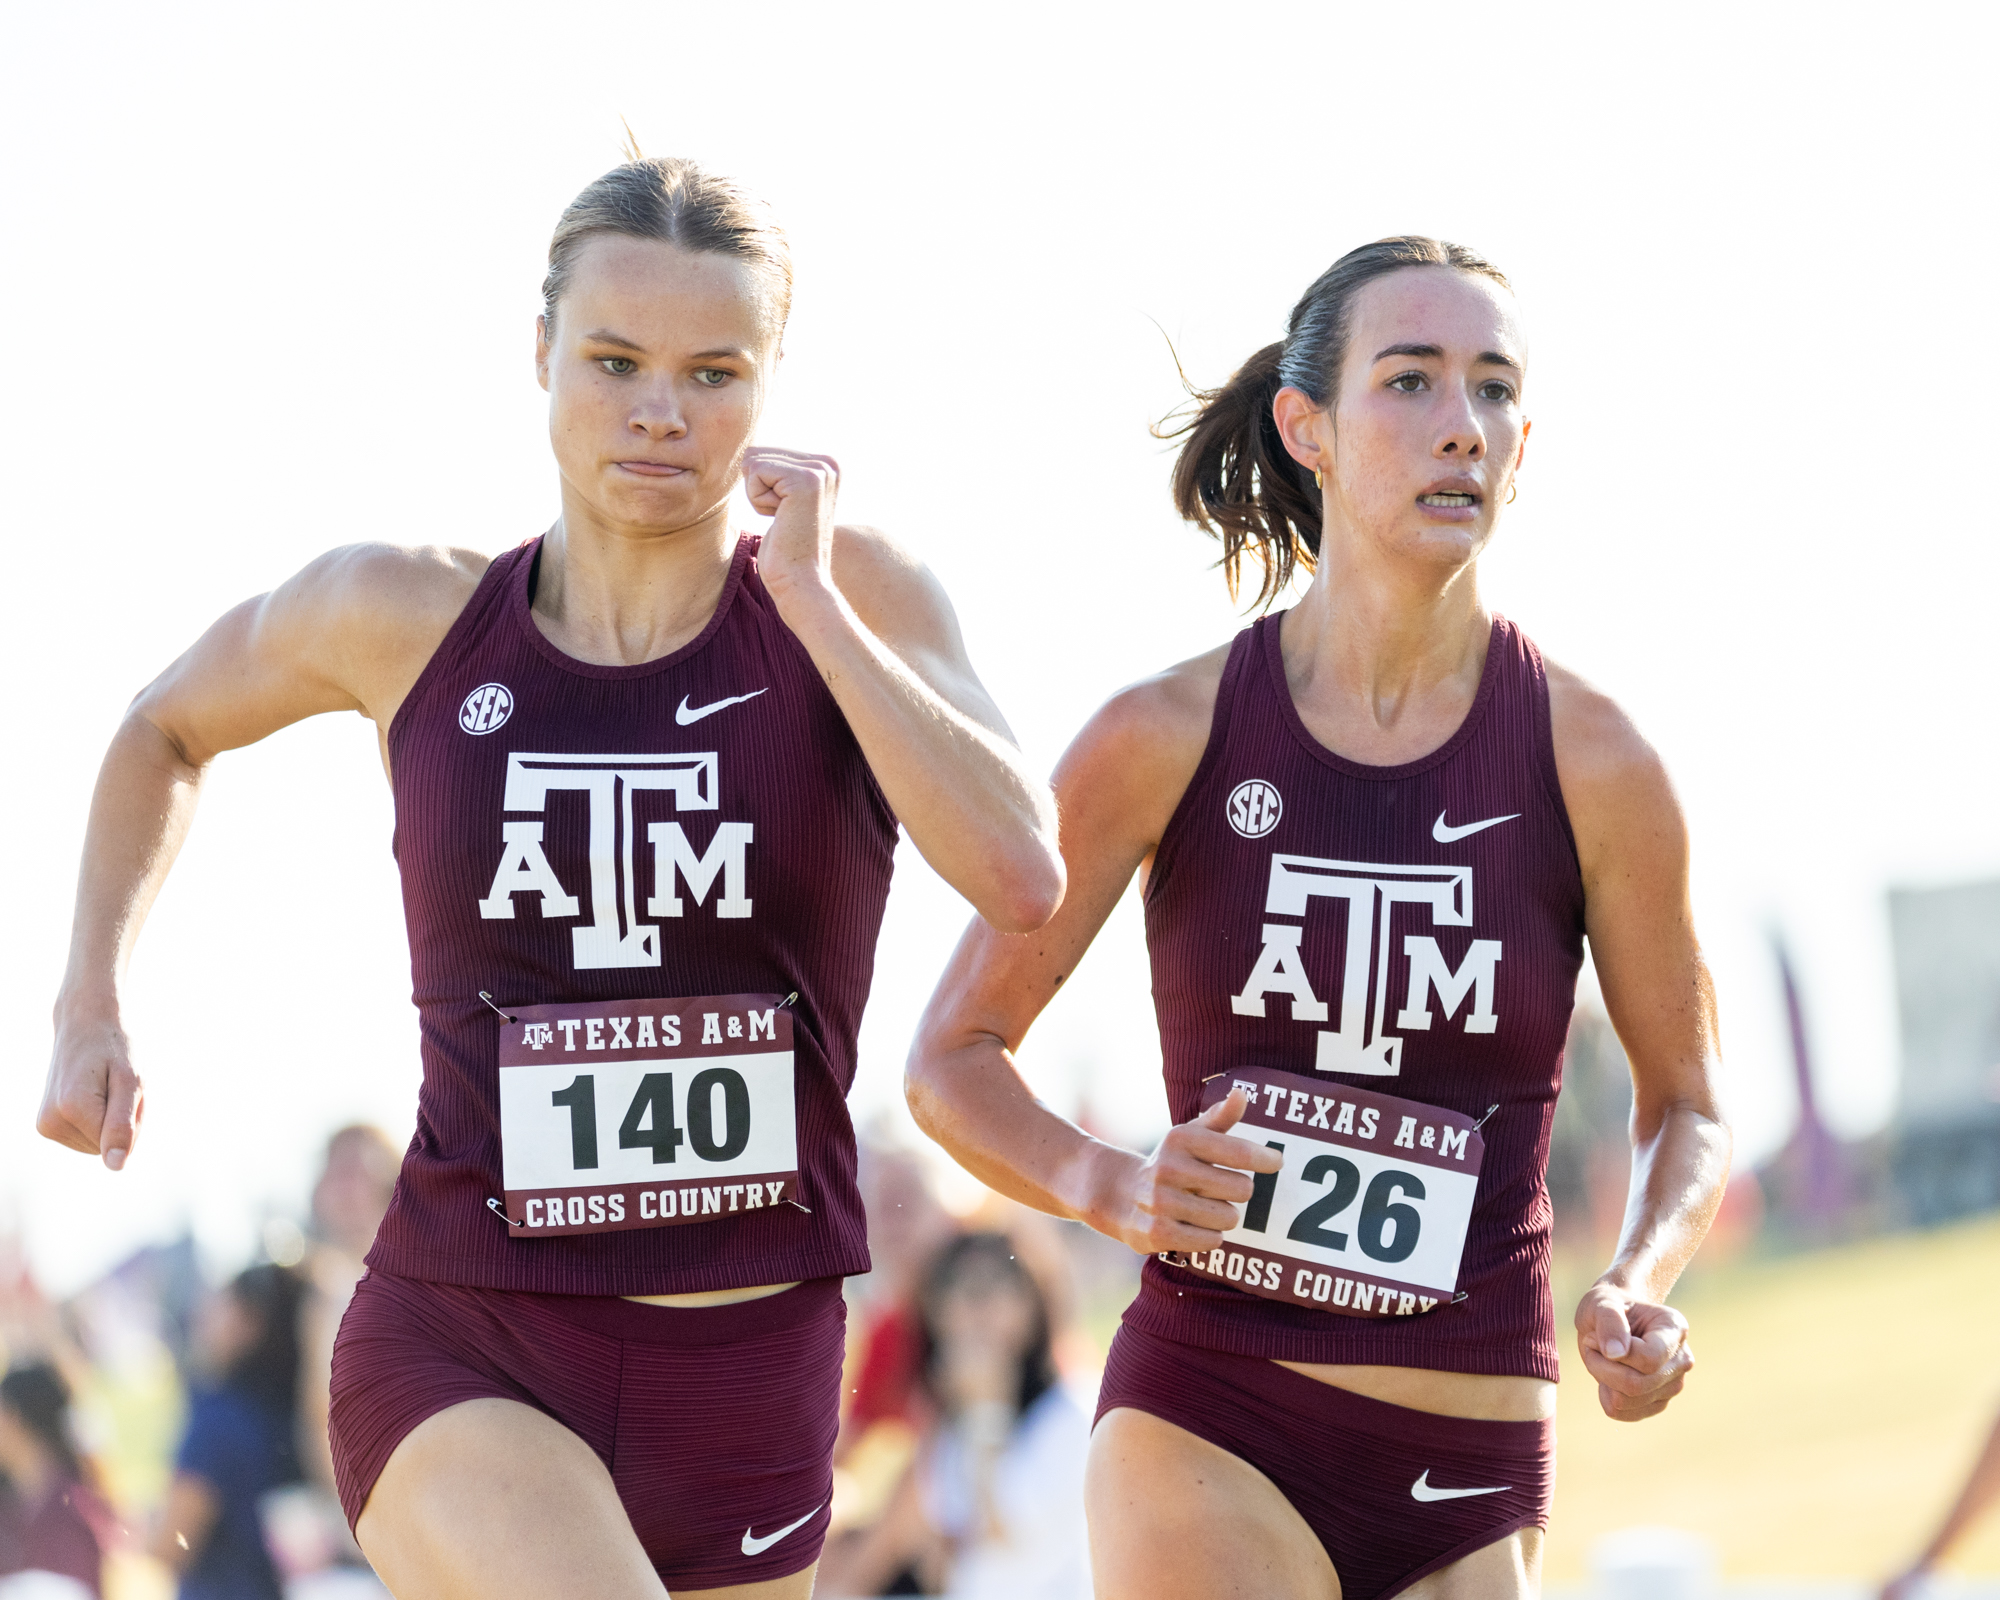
(618, 366)
(1409, 383)
(1495, 390)
(712, 377)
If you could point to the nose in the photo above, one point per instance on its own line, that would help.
(1460, 436)
(657, 414)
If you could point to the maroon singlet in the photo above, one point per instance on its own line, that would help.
(796, 839)
(1295, 878)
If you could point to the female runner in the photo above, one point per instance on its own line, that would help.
(647, 778)
(1375, 831)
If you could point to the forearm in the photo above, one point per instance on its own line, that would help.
(1678, 1175)
(973, 1101)
(139, 816)
(961, 789)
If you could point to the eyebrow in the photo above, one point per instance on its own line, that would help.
(620, 342)
(1432, 352)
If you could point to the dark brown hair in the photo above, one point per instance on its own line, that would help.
(675, 202)
(268, 1371)
(991, 1254)
(1234, 476)
(37, 1395)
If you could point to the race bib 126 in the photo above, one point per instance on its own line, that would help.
(646, 1113)
(1367, 1217)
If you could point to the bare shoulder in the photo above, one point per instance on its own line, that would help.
(891, 590)
(406, 586)
(1140, 750)
(1614, 783)
(370, 616)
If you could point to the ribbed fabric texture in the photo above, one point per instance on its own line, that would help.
(702, 1444)
(1209, 902)
(1348, 1464)
(816, 873)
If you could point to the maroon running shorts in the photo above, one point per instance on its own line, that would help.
(717, 1425)
(1383, 1486)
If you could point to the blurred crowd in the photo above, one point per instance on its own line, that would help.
(974, 1348)
(161, 1435)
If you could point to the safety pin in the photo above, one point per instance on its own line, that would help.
(788, 999)
(503, 1016)
(1482, 1121)
(808, 1210)
(498, 1209)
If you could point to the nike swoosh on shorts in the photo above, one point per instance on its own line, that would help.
(1446, 835)
(685, 713)
(1422, 1490)
(754, 1546)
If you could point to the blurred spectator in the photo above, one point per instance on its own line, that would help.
(993, 1506)
(52, 1518)
(348, 1204)
(906, 1226)
(240, 1442)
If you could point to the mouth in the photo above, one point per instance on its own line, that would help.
(652, 469)
(1453, 499)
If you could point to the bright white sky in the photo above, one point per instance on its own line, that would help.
(270, 281)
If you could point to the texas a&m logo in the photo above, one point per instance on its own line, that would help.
(1374, 901)
(616, 937)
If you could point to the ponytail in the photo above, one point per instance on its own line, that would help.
(1234, 477)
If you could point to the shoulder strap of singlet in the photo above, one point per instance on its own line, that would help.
(489, 599)
(1242, 656)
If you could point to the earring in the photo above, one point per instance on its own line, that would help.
(1319, 479)
(1512, 490)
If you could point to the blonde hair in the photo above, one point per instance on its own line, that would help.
(675, 202)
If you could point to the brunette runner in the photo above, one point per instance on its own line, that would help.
(1375, 831)
(647, 777)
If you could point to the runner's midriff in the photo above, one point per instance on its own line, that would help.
(1472, 1395)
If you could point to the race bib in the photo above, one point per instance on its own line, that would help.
(1368, 1215)
(646, 1113)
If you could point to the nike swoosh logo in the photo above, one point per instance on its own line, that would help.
(685, 713)
(1445, 835)
(1421, 1489)
(752, 1545)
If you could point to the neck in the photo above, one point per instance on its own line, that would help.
(1386, 658)
(618, 596)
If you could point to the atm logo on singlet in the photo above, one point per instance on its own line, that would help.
(616, 936)
(1370, 900)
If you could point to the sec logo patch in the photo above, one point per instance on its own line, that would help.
(1254, 808)
(486, 708)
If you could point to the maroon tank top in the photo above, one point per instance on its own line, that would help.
(1307, 887)
(559, 890)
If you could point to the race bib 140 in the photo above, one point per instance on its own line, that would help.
(646, 1113)
(1368, 1215)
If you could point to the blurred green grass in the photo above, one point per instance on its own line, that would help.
(1838, 1400)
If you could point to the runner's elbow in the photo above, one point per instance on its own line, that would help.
(1027, 892)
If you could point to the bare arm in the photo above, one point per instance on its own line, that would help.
(186, 1519)
(1980, 1492)
(884, 637)
(1116, 786)
(1633, 846)
(349, 633)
